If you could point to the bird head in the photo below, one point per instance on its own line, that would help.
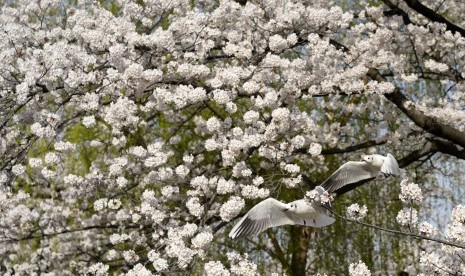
(367, 158)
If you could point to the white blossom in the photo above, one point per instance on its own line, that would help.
(315, 149)
(213, 124)
(169, 191)
(194, 206)
(188, 159)
(95, 143)
(182, 171)
(35, 162)
(231, 208)
(72, 179)
(138, 151)
(281, 114)
(359, 269)
(121, 113)
(112, 255)
(47, 173)
(139, 270)
(130, 256)
(410, 193)
(202, 239)
(221, 96)
(51, 158)
(356, 212)
(225, 186)
(407, 217)
(100, 204)
(215, 268)
(160, 264)
(241, 266)
(116, 238)
(64, 146)
(90, 102)
(252, 192)
(250, 117)
(291, 168)
(114, 204)
(436, 66)
(89, 121)
(231, 107)
(298, 142)
(99, 269)
(257, 181)
(431, 262)
(3, 178)
(18, 169)
(458, 214)
(426, 229)
(277, 43)
(318, 196)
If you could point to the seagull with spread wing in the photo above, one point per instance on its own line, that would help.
(271, 213)
(369, 168)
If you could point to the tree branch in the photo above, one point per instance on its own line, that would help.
(417, 154)
(412, 235)
(433, 16)
(395, 10)
(87, 228)
(422, 120)
(352, 148)
(448, 148)
(277, 249)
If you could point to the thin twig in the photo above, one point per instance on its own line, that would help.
(412, 235)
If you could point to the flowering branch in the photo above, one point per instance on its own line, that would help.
(421, 119)
(412, 235)
(434, 16)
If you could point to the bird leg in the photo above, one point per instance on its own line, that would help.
(316, 229)
(306, 233)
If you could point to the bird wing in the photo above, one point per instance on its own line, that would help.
(390, 166)
(268, 213)
(350, 172)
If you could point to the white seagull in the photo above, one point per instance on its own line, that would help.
(271, 213)
(370, 167)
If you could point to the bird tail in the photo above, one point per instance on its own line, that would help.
(390, 166)
(324, 216)
(323, 220)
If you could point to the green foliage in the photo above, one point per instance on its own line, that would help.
(79, 162)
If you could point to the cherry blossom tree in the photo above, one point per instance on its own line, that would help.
(134, 133)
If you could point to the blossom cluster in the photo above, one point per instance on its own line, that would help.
(359, 269)
(410, 196)
(318, 195)
(356, 212)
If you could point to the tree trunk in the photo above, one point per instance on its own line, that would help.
(299, 245)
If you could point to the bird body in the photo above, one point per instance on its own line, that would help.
(271, 213)
(370, 167)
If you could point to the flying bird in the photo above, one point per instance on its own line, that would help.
(353, 172)
(271, 213)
